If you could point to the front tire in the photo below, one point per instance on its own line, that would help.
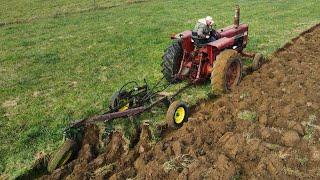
(171, 61)
(177, 114)
(227, 72)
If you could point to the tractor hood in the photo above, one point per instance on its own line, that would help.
(222, 43)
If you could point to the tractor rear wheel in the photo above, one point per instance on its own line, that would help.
(227, 71)
(171, 61)
(177, 114)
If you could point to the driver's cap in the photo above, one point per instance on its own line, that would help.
(209, 18)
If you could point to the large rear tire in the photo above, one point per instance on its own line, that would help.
(227, 72)
(171, 61)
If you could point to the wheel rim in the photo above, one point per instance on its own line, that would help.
(179, 115)
(232, 75)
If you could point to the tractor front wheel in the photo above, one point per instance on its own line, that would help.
(171, 61)
(227, 71)
(177, 114)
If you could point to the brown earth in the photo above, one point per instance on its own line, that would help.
(268, 128)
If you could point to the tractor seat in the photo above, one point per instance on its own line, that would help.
(199, 42)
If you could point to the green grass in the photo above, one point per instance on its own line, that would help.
(248, 115)
(56, 69)
(20, 11)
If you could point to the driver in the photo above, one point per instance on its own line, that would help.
(203, 30)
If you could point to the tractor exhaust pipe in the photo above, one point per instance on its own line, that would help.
(236, 18)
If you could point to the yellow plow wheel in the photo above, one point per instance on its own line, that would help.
(177, 114)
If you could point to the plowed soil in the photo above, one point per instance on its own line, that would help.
(267, 128)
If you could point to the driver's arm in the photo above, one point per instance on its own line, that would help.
(200, 32)
(214, 33)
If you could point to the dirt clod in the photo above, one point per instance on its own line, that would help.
(176, 147)
(290, 138)
(315, 153)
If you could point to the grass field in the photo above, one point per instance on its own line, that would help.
(55, 69)
(21, 11)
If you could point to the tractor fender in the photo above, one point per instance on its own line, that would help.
(182, 35)
(185, 39)
(222, 43)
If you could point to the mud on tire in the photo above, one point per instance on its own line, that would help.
(171, 61)
(222, 81)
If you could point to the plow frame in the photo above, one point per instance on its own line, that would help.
(131, 112)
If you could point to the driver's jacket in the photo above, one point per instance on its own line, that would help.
(201, 30)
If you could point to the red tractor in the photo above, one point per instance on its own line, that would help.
(218, 60)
